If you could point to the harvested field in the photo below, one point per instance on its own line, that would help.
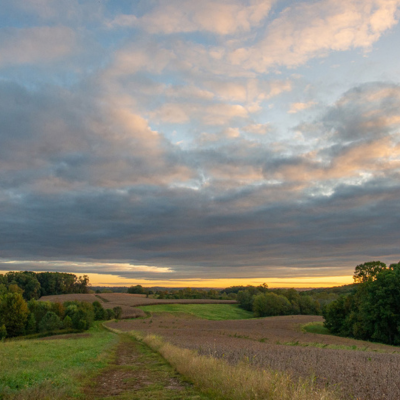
(127, 301)
(278, 343)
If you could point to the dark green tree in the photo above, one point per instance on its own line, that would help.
(50, 322)
(368, 271)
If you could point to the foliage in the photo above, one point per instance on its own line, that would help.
(368, 271)
(51, 321)
(373, 311)
(267, 304)
(3, 332)
(34, 285)
(246, 299)
(13, 313)
(118, 312)
(67, 323)
(138, 289)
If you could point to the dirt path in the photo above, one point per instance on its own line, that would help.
(138, 373)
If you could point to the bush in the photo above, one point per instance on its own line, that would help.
(50, 322)
(117, 312)
(110, 314)
(245, 299)
(99, 312)
(268, 304)
(3, 332)
(31, 326)
(67, 323)
(13, 313)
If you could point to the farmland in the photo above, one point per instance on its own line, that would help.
(128, 302)
(361, 369)
(205, 311)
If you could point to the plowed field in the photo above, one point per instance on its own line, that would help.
(363, 370)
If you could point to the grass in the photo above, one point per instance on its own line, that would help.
(140, 373)
(220, 380)
(214, 312)
(30, 367)
(316, 327)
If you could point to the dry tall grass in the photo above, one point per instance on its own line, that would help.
(235, 382)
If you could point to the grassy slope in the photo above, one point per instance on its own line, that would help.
(56, 364)
(214, 312)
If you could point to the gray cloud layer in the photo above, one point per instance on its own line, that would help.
(76, 186)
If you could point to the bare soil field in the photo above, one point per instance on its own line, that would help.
(127, 301)
(372, 373)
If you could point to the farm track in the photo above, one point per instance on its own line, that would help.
(138, 373)
(372, 374)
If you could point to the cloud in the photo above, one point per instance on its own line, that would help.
(291, 40)
(296, 107)
(36, 45)
(222, 17)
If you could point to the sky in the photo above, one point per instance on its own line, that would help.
(199, 143)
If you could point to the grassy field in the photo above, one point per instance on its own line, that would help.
(215, 312)
(316, 327)
(54, 367)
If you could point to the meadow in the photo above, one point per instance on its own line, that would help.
(34, 368)
(199, 351)
(214, 312)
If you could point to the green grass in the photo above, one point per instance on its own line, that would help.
(214, 312)
(57, 364)
(316, 327)
(149, 377)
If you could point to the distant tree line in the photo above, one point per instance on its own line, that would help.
(37, 284)
(271, 302)
(19, 317)
(372, 310)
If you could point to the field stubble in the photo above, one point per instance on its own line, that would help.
(371, 374)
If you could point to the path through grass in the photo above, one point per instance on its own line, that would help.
(214, 312)
(139, 373)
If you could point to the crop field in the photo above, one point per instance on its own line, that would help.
(359, 370)
(128, 302)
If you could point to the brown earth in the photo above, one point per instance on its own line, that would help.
(279, 343)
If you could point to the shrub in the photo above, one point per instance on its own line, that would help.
(50, 322)
(117, 312)
(99, 312)
(13, 313)
(110, 314)
(67, 323)
(31, 326)
(271, 304)
(3, 332)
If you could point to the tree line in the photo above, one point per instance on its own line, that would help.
(19, 317)
(37, 284)
(272, 302)
(372, 310)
